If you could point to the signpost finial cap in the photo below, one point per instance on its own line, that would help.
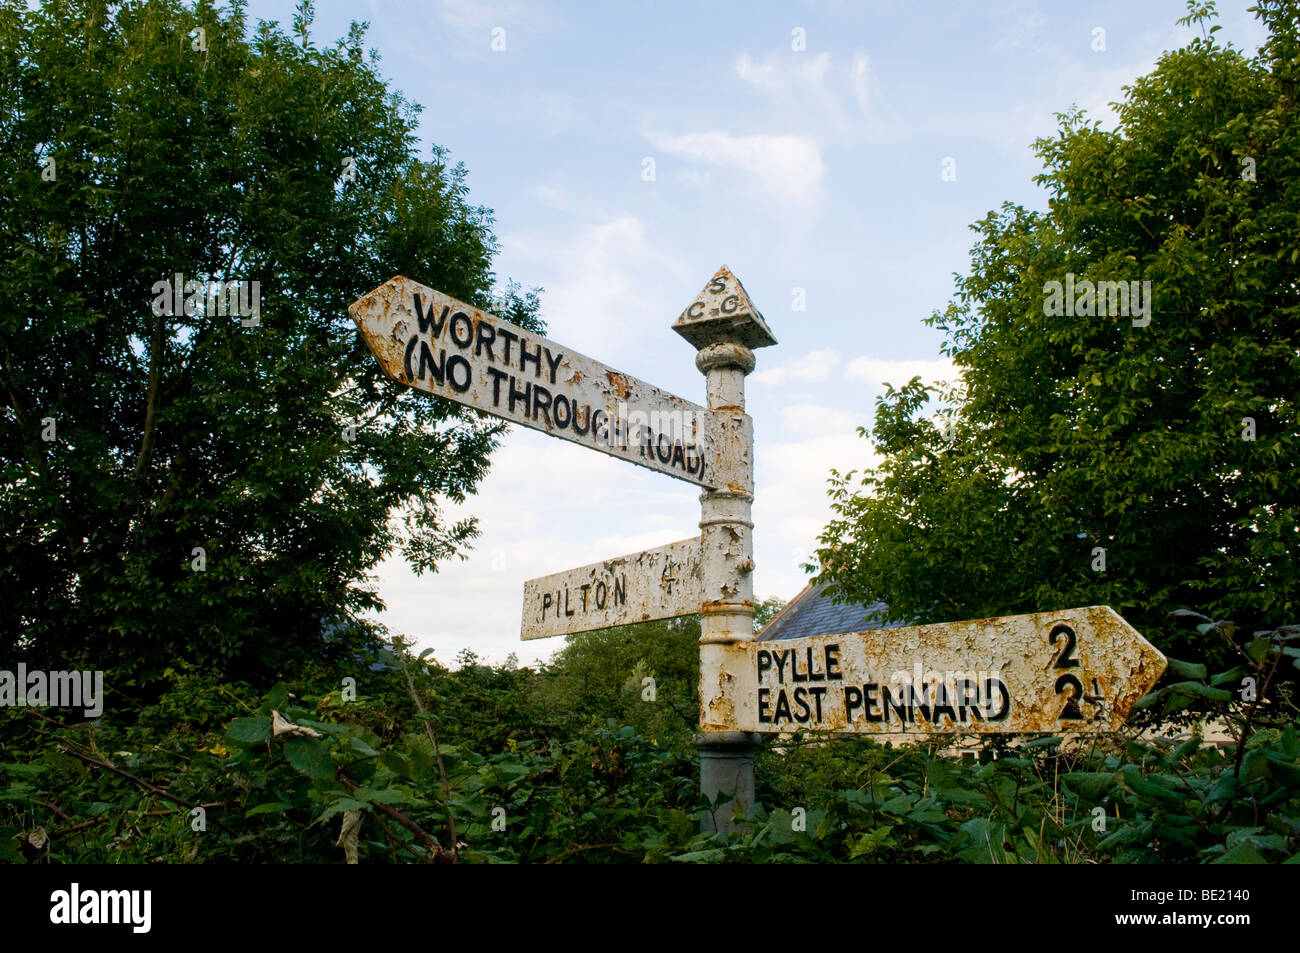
(722, 312)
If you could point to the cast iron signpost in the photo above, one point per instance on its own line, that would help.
(1078, 670)
(660, 583)
(426, 340)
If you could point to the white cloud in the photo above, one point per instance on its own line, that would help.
(816, 92)
(791, 507)
(813, 366)
(1017, 24)
(878, 371)
(595, 280)
(784, 73)
(787, 168)
(817, 420)
(480, 16)
(864, 83)
(545, 506)
(554, 198)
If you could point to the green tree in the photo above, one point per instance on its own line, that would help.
(604, 673)
(1103, 459)
(141, 141)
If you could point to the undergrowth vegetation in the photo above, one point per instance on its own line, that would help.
(407, 760)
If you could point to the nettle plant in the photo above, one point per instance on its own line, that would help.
(407, 761)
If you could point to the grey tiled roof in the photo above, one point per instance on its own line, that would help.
(812, 613)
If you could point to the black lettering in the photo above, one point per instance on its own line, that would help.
(567, 610)
(887, 701)
(410, 349)
(782, 707)
(943, 704)
(454, 362)
(506, 336)
(585, 587)
(679, 459)
(852, 700)
(620, 590)
(646, 438)
(427, 321)
(764, 662)
(539, 405)
(1005, 711)
(602, 592)
(664, 448)
(912, 704)
(581, 431)
(833, 674)
(1071, 710)
(1066, 657)
(967, 699)
(731, 300)
(497, 377)
(562, 402)
(553, 365)
(813, 674)
(817, 694)
(780, 665)
(546, 604)
(804, 712)
(869, 701)
(461, 320)
(763, 716)
(794, 667)
(525, 357)
(426, 362)
(486, 335)
(524, 396)
(692, 311)
(717, 285)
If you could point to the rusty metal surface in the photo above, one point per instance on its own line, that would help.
(722, 312)
(1079, 670)
(432, 342)
(659, 583)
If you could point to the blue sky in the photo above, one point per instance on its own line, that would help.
(817, 169)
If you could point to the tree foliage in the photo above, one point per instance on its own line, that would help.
(1100, 459)
(140, 141)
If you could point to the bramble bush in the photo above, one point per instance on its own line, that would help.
(416, 762)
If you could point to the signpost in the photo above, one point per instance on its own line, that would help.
(660, 583)
(1078, 670)
(432, 342)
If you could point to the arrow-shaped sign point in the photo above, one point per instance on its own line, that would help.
(1078, 670)
(432, 342)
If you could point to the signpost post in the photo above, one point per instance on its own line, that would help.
(725, 327)
(1078, 670)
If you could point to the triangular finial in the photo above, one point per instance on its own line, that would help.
(722, 312)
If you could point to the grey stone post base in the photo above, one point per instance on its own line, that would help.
(727, 775)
